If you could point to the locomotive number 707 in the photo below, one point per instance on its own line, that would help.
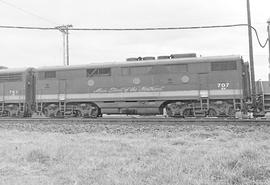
(223, 85)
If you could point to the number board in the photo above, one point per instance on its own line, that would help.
(223, 85)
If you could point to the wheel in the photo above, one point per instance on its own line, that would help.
(172, 110)
(99, 113)
(94, 113)
(6, 113)
(78, 114)
(186, 113)
(231, 112)
(212, 113)
(169, 112)
(46, 113)
(59, 114)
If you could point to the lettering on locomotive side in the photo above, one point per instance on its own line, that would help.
(129, 89)
(223, 85)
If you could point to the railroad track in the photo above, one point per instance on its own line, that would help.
(138, 120)
(130, 125)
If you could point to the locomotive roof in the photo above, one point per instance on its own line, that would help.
(14, 70)
(145, 62)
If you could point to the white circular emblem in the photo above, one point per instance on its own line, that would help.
(136, 81)
(185, 79)
(91, 82)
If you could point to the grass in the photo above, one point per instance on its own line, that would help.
(188, 155)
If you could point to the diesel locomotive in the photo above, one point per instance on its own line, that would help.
(175, 85)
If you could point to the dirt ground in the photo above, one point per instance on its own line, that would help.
(136, 155)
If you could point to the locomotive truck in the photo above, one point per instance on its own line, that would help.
(175, 85)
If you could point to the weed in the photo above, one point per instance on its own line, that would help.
(233, 164)
(201, 135)
(256, 173)
(64, 180)
(37, 156)
(180, 142)
(249, 154)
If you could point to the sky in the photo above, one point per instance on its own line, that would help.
(34, 48)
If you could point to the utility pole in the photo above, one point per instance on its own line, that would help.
(253, 88)
(268, 31)
(65, 31)
(64, 47)
(67, 44)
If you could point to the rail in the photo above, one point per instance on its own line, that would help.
(134, 120)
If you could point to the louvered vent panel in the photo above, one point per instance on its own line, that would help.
(11, 77)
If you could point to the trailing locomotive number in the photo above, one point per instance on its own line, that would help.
(13, 92)
(223, 85)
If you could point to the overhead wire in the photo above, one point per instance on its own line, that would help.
(174, 28)
(157, 28)
(258, 39)
(29, 27)
(120, 29)
(28, 12)
(143, 29)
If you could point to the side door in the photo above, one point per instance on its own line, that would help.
(62, 89)
(203, 85)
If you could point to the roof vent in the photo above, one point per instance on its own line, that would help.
(139, 58)
(163, 57)
(131, 59)
(184, 55)
(149, 58)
